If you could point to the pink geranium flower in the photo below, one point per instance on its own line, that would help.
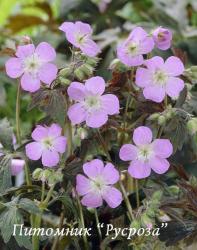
(97, 186)
(79, 34)
(159, 78)
(131, 51)
(91, 106)
(33, 66)
(48, 144)
(146, 154)
(162, 38)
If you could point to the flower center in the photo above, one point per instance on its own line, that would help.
(160, 77)
(133, 48)
(92, 103)
(81, 38)
(161, 36)
(98, 184)
(145, 152)
(32, 64)
(48, 143)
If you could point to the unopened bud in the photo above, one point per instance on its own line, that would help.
(37, 173)
(154, 117)
(192, 126)
(161, 120)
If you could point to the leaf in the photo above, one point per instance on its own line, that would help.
(20, 22)
(8, 218)
(176, 130)
(5, 175)
(51, 101)
(6, 133)
(29, 206)
(68, 204)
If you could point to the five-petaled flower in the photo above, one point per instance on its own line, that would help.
(162, 38)
(159, 78)
(131, 51)
(147, 154)
(33, 65)
(79, 34)
(48, 144)
(91, 106)
(98, 186)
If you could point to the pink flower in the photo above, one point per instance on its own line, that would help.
(79, 34)
(162, 38)
(160, 78)
(91, 106)
(48, 144)
(131, 51)
(147, 154)
(98, 186)
(17, 165)
(33, 66)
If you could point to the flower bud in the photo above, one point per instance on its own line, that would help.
(64, 81)
(154, 116)
(161, 120)
(192, 126)
(135, 224)
(66, 72)
(162, 38)
(37, 173)
(157, 195)
(79, 74)
(146, 221)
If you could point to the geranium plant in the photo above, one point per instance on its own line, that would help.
(103, 150)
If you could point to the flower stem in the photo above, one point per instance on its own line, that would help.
(137, 193)
(82, 221)
(97, 224)
(130, 210)
(166, 101)
(38, 218)
(103, 145)
(18, 131)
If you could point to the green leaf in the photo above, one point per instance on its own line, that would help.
(5, 174)
(29, 206)
(6, 133)
(8, 218)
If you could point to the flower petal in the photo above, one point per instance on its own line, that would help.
(54, 130)
(90, 48)
(174, 86)
(83, 185)
(162, 148)
(14, 67)
(95, 85)
(143, 77)
(154, 93)
(96, 119)
(159, 165)
(76, 113)
(17, 166)
(154, 63)
(50, 158)
(66, 26)
(93, 168)
(128, 152)
(92, 200)
(46, 52)
(142, 135)
(112, 196)
(84, 28)
(110, 104)
(48, 73)
(146, 45)
(110, 174)
(60, 144)
(139, 170)
(138, 34)
(174, 66)
(39, 133)
(34, 150)
(24, 51)
(128, 59)
(29, 83)
(76, 91)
